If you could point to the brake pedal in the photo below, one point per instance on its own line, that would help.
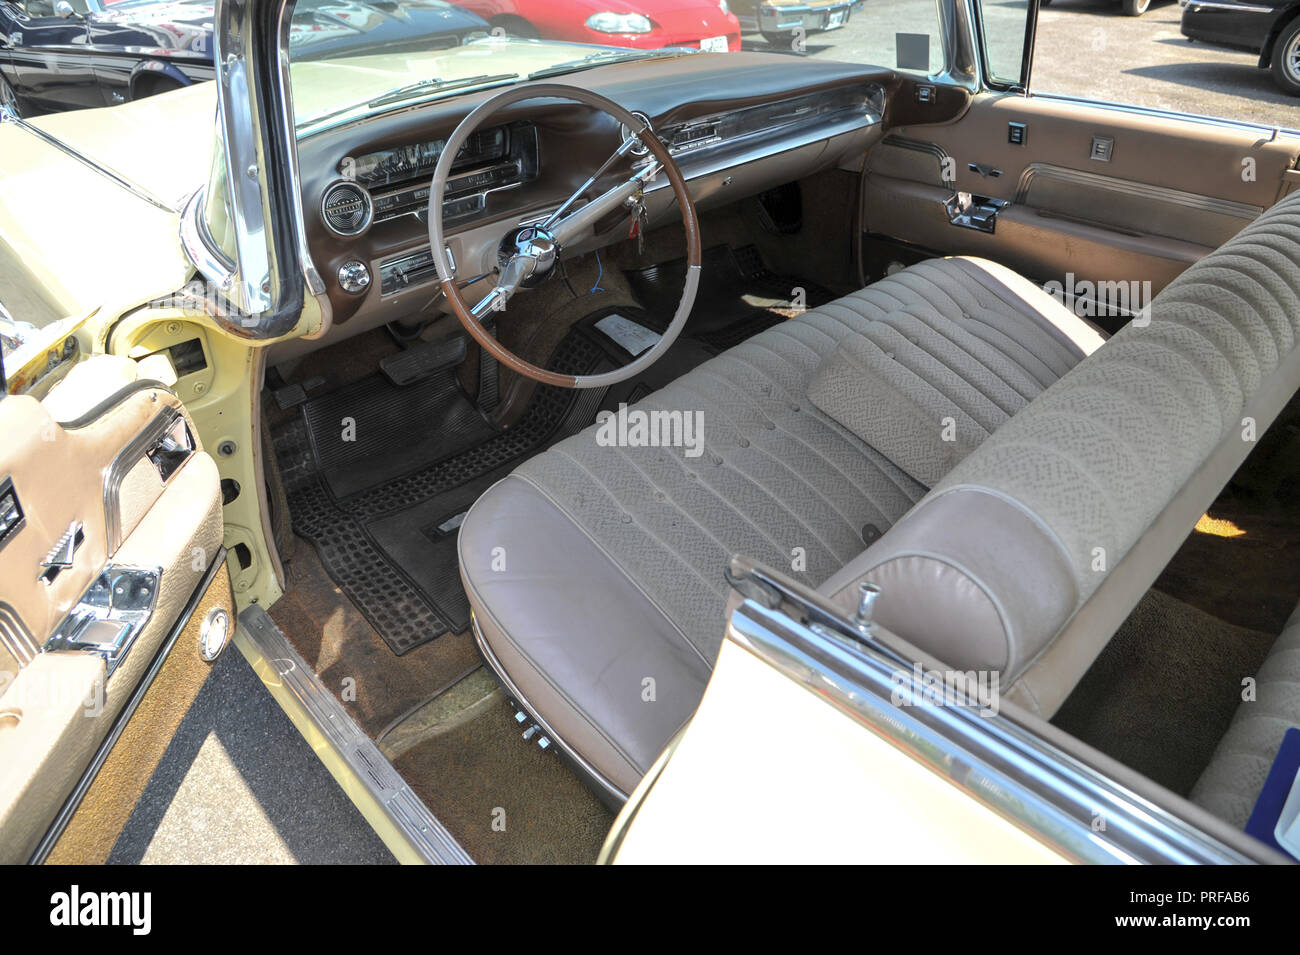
(419, 362)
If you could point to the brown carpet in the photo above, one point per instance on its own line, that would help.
(1164, 690)
(377, 686)
(504, 799)
(1243, 567)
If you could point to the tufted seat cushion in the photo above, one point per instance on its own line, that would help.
(596, 572)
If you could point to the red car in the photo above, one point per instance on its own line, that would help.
(643, 24)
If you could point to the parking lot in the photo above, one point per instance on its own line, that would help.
(1088, 48)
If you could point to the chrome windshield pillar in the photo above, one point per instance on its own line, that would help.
(263, 200)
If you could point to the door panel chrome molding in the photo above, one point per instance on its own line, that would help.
(1233, 124)
(148, 439)
(1006, 766)
(425, 835)
(131, 187)
(1127, 187)
(78, 793)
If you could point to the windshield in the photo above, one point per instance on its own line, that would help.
(349, 60)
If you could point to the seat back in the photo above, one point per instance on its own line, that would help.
(1028, 555)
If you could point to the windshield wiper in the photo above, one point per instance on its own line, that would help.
(606, 57)
(436, 85)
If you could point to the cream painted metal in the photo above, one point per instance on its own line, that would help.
(791, 779)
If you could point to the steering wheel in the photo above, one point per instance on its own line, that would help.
(529, 253)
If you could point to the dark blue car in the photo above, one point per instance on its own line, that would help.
(66, 54)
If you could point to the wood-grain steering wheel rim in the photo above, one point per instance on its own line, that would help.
(438, 245)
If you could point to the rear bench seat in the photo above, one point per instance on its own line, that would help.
(1236, 773)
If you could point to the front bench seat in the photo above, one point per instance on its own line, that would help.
(595, 573)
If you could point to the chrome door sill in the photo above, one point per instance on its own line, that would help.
(412, 833)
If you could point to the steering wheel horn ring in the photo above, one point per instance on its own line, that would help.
(528, 254)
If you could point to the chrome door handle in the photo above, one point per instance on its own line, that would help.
(62, 554)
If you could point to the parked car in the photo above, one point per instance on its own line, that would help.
(1270, 28)
(781, 20)
(640, 24)
(65, 54)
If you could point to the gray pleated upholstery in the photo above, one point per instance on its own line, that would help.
(781, 481)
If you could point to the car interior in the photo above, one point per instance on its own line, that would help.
(1029, 365)
(875, 254)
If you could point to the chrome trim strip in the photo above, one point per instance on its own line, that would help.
(610, 791)
(124, 717)
(425, 834)
(718, 162)
(1127, 187)
(201, 249)
(1233, 124)
(15, 637)
(136, 190)
(127, 459)
(1003, 764)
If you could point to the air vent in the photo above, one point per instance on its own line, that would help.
(347, 208)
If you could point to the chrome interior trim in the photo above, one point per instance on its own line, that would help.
(1233, 124)
(15, 637)
(131, 187)
(608, 791)
(1126, 187)
(148, 439)
(201, 248)
(112, 612)
(1006, 766)
(421, 828)
(128, 710)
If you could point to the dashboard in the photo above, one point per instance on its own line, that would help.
(736, 124)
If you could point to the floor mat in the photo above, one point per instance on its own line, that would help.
(372, 432)
(411, 593)
(738, 295)
(376, 687)
(1163, 692)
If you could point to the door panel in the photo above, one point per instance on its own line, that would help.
(1106, 194)
(118, 527)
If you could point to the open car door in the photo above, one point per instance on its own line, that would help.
(115, 596)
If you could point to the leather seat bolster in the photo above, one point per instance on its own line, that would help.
(586, 648)
(970, 576)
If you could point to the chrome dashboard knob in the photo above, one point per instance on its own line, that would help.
(354, 277)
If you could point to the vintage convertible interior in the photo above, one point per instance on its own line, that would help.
(584, 361)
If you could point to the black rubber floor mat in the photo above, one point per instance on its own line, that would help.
(381, 545)
(372, 432)
(738, 296)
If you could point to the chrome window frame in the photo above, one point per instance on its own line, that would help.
(273, 270)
